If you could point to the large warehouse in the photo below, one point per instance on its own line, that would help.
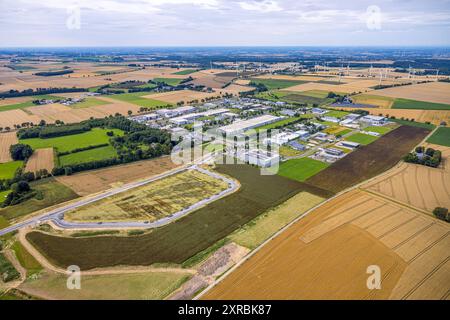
(243, 125)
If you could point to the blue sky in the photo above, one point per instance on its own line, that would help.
(224, 22)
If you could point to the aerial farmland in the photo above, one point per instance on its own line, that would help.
(210, 174)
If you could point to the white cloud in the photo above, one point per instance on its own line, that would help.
(265, 6)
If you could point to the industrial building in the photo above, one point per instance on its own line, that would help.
(169, 113)
(260, 158)
(374, 120)
(243, 125)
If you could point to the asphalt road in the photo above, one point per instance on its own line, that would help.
(57, 215)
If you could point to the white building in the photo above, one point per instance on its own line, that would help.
(282, 138)
(348, 144)
(374, 120)
(319, 111)
(260, 158)
(240, 126)
(331, 119)
(170, 113)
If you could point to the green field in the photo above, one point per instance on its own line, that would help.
(301, 169)
(169, 81)
(422, 105)
(185, 72)
(138, 286)
(261, 228)
(3, 195)
(7, 270)
(28, 103)
(380, 130)
(337, 114)
(184, 238)
(8, 169)
(361, 138)
(26, 260)
(94, 137)
(277, 84)
(89, 102)
(53, 193)
(304, 98)
(102, 153)
(137, 99)
(441, 137)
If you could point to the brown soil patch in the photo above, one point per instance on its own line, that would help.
(326, 254)
(41, 159)
(6, 140)
(103, 179)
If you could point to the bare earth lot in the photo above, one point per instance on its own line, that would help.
(99, 180)
(41, 159)
(6, 140)
(316, 257)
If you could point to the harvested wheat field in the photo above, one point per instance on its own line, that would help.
(420, 186)
(351, 87)
(16, 117)
(183, 95)
(235, 89)
(102, 179)
(293, 78)
(437, 92)
(326, 255)
(7, 139)
(41, 159)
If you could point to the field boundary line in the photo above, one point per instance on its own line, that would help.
(397, 202)
(378, 221)
(357, 187)
(428, 276)
(413, 236)
(428, 247)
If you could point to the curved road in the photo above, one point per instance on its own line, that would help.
(57, 215)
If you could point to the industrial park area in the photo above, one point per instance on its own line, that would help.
(243, 173)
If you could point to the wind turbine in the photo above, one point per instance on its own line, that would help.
(381, 76)
(437, 75)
